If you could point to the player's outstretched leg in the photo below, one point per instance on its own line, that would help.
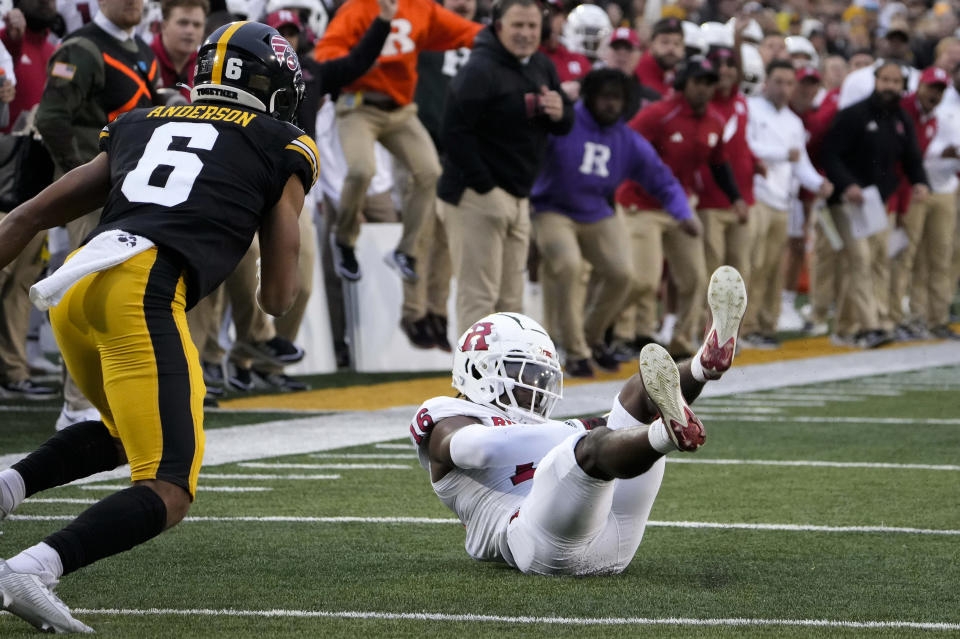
(75, 452)
(727, 298)
(677, 428)
(29, 597)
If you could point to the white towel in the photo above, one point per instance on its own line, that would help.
(103, 251)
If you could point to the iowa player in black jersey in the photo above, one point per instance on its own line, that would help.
(183, 191)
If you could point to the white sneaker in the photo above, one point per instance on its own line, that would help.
(790, 319)
(661, 379)
(69, 417)
(727, 297)
(26, 596)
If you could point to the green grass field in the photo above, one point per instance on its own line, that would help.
(858, 536)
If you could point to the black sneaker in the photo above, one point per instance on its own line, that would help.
(622, 352)
(212, 373)
(642, 340)
(579, 368)
(438, 327)
(240, 379)
(405, 264)
(209, 401)
(278, 351)
(27, 389)
(760, 341)
(419, 332)
(280, 381)
(944, 332)
(344, 260)
(604, 358)
(872, 339)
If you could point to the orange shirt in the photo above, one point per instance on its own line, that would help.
(420, 25)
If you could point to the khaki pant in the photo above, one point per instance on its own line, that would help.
(725, 241)
(429, 294)
(563, 245)
(857, 305)
(402, 133)
(16, 278)
(824, 277)
(930, 227)
(768, 238)
(654, 235)
(77, 231)
(489, 235)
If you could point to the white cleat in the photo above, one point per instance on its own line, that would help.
(26, 596)
(661, 379)
(727, 297)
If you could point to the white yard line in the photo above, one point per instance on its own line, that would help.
(447, 520)
(521, 620)
(828, 419)
(394, 446)
(201, 488)
(60, 500)
(410, 455)
(262, 477)
(279, 466)
(810, 462)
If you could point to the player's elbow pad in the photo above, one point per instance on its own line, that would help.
(474, 446)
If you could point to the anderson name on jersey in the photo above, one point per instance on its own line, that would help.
(486, 499)
(165, 189)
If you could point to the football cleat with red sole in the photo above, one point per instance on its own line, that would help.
(727, 297)
(661, 379)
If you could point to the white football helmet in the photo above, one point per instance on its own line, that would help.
(586, 30)
(753, 72)
(506, 361)
(752, 33)
(316, 19)
(800, 46)
(717, 34)
(693, 41)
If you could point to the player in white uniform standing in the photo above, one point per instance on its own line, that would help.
(563, 497)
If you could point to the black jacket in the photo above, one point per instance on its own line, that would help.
(491, 131)
(865, 144)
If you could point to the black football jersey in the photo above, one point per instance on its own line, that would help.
(197, 179)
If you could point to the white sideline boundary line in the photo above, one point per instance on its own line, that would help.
(447, 520)
(409, 456)
(297, 436)
(810, 462)
(523, 620)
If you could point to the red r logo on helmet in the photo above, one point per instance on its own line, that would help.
(474, 341)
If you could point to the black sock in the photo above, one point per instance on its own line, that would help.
(113, 525)
(75, 452)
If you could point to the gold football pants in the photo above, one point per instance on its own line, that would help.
(124, 338)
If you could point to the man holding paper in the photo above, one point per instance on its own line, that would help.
(861, 152)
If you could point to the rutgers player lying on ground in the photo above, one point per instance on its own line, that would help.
(563, 497)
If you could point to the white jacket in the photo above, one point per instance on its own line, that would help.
(771, 134)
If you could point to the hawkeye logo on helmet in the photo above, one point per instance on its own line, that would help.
(284, 52)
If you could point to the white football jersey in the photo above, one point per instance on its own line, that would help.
(486, 499)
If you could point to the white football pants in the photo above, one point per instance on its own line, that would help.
(574, 524)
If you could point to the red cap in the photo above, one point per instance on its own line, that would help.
(934, 75)
(282, 18)
(807, 73)
(625, 34)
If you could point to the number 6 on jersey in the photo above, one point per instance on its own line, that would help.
(185, 166)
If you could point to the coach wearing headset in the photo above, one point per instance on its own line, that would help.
(866, 142)
(499, 110)
(687, 133)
